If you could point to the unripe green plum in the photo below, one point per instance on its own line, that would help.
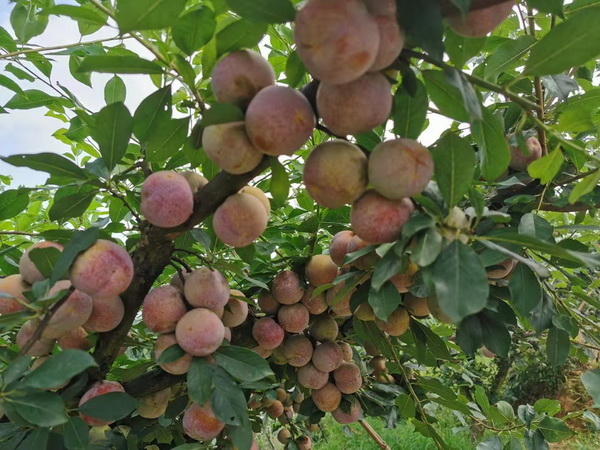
(335, 173)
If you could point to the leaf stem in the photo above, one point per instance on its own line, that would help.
(58, 47)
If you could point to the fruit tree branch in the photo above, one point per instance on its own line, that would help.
(153, 381)
(539, 91)
(153, 254)
(373, 434)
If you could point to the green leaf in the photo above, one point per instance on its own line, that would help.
(228, 401)
(507, 56)
(76, 434)
(493, 146)
(586, 185)
(294, 69)
(385, 300)
(199, 380)
(166, 139)
(242, 363)
(135, 15)
(536, 226)
(268, 11)
(460, 281)
(461, 49)
(59, 369)
(16, 368)
(27, 22)
(574, 121)
(152, 110)
(80, 242)
(428, 248)
(110, 407)
(560, 85)
(119, 64)
(571, 43)
(10, 84)
(557, 346)
(194, 29)
(434, 342)
(48, 162)
(30, 99)
(222, 113)
(6, 41)
(554, 430)
(422, 22)
(494, 334)
(410, 111)
(239, 34)
(71, 206)
(447, 98)
(19, 73)
(13, 202)
(548, 6)
(114, 91)
(406, 406)
(78, 13)
(45, 259)
(280, 183)
(112, 129)
(591, 382)
(525, 289)
(43, 409)
(469, 97)
(454, 162)
(469, 335)
(386, 268)
(171, 354)
(547, 406)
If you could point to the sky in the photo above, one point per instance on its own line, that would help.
(30, 131)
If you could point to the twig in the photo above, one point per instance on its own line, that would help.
(373, 434)
(44, 322)
(523, 102)
(539, 91)
(58, 47)
(19, 233)
(183, 264)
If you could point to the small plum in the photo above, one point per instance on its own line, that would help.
(347, 378)
(73, 313)
(240, 220)
(304, 443)
(327, 356)
(194, 179)
(167, 199)
(27, 268)
(41, 346)
(320, 270)
(377, 219)
(502, 269)
(284, 436)
(339, 246)
(315, 305)
(287, 287)
(338, 299)
(366, 261)
(364, 312)
(346, 418)
(229, 147)
(312, 378)
(416, 306)
(346, 351)
(154, 405)
(279, 120)
(200, 423)
(275, 410)
(323, 328)
(200, 332)
(104, 269)
(264, 352)
(100, 388)
(14, 287)
(336, 39)
(206, 288)
(358, 106)
(391, 42)
(298, 350)
(177, 367)
(396, 324)
(400, 168)
(480, 22)
(236, 311)
(335, 173)
(267, 303)
(268, 333)
(328, 398)
(519, 160)
(259, 194)
(293, 318)
(239, 76)
(107, 313)
(162, 308)
(76, 338)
